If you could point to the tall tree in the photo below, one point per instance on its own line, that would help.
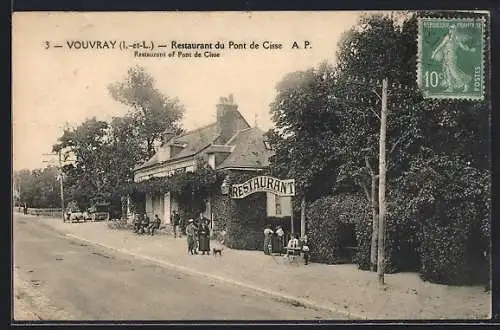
(304, 137)
(86, 178)
(372, 50)
(152, 111)
(124, 151)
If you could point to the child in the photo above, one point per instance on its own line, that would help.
(305, 249)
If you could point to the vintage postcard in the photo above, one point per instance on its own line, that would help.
(318, 166)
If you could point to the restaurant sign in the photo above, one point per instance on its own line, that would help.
(263, 184)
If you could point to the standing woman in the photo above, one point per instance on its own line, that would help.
(268, 235)
(204, 238)
(280, 236)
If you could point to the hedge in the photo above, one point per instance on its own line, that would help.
(326, 215)
(325, 218)
(451, 209)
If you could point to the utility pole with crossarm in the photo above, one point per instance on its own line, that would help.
(382, 169)
(379, 227)
(61, 178)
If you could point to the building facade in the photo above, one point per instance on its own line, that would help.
(230, 145)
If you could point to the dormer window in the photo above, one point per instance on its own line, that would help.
(176, 147)
(267, 145)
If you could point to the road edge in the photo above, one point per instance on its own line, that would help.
(275, 294)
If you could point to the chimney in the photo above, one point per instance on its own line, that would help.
(168, 135)
(227, 118)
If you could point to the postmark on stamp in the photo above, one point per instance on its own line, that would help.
(451, 58)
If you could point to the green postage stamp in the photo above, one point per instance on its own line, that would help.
(451, 58)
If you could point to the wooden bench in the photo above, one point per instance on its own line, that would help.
(292, 253)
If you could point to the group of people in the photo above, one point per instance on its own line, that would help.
(274, 241)
(271, 245)
(198, 236)
(143, 225)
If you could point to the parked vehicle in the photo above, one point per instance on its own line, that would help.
(76, 216)
(99, 212)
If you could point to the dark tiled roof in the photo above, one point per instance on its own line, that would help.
(247, 146)
(194, 142)
(219, 148)
(249, 150)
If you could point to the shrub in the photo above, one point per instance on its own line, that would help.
(325, 218)
(443, 254)
(451, 206)
(364, 238)
(399, 244)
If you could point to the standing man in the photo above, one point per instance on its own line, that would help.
(191, 236)
(176, 220)
(182, 226)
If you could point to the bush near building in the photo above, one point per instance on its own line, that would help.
(401, 243)
(327, 221)
(443, 240)
(437, 224)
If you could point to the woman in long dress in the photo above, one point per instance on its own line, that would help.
(268, 235)
(446, 53)
(204, 238)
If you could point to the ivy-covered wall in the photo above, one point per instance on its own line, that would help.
(243, 219)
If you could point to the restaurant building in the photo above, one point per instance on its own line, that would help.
(230, 145)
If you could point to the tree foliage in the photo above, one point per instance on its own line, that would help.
(38, 188)
(151, 111)
(87, 176)
(304, 137)
(105, 153)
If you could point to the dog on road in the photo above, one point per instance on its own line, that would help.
(218, 251)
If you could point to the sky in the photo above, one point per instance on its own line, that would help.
(55, 87)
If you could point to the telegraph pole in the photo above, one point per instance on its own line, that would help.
(61, 184)
(381, 179)
(381, 185)
(302, 216)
